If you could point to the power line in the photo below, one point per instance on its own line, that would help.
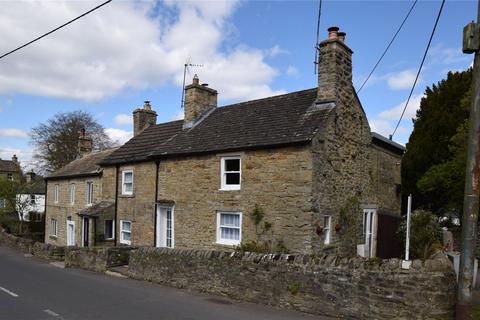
(419, 69)
(388, 46)
(52, 31)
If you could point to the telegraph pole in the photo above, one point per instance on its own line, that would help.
(471, 44)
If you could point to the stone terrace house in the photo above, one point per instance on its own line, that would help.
(10, 170)
(275, 171)
(31, 202)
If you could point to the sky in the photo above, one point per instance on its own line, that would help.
(113, 59)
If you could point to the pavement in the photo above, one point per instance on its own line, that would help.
(32, 289)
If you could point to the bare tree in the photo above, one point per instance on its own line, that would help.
(56, 141)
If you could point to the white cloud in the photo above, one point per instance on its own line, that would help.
(123, 119)
(178, 116)
(292, 72)
(23, 155)
(395, 112)
(401, 80)
(439, 54)
(127, 45)
(275, 51)
(118, 136)
(13, 133)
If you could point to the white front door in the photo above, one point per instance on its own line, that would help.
(370, 231)
(165, 227)
(70, 233)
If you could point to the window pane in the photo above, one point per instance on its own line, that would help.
(128, 187)
(126, 226)
(230, 220)
(126, 236)
(232, 165)
(230, 233)
(233, 178)
(128, 177)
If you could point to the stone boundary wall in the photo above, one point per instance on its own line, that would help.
(29, 246)
(97, 258)
(355, 288)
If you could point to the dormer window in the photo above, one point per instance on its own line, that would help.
(231, 173)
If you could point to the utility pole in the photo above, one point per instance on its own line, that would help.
(471, 44)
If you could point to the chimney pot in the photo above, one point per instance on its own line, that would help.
(143, 118)
(147, 105)
(195, 80)
(341, 36)
(332, 33)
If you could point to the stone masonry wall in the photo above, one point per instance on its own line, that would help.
(353, 288)
(64, 209)
(386, 176)
(97, 258)
(277, 180)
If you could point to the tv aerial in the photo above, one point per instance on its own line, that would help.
(186, 67)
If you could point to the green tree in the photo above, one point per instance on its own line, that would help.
(56, 141)
(433, 168)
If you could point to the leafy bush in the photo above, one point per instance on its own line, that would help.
(262, 247)
(425, 234)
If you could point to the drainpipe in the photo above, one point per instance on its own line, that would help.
(45, 211)
(116, 206)
(157, 163)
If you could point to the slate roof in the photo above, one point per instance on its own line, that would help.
(386, 143)
(97, 209)
(8, 166)
(286, 119)
(37, 186)
(85, 166)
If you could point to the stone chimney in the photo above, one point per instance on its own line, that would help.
(143, 118)
(85, 143)
(334, 67)
(199, 101)
(15, 159)
(30, 176)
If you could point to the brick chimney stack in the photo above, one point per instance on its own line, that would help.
(85, 143)
(334, 67)
(15, 159)
(199, 101)
(143, 118)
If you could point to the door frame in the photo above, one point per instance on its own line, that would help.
(85, 232)
(370, 222)
(72, 223)
(160, 240)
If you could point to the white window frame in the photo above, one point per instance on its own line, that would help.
(124, 191)
(369, 231)
(122, 240)
(223, 177)
(228, 242)
(327, 229)
(105, 229)
(72, 193)
(89, 193)
(53, 227)
(56, 193)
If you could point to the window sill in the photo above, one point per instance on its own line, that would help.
(53, 237)
(126, 195)
(229, 189)
(229, 245)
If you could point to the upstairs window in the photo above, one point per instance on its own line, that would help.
(55, 193)
(72, 194)
(89, 193)
(229, 228)
(127, 183)
(32, 199)
(231, 173)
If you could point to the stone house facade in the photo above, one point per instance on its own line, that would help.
(273, 173)
(10, 170)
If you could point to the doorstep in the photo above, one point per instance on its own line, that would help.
(119, 271)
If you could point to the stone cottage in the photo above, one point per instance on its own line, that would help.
(31, 202)
(274, 173)
(10, 170)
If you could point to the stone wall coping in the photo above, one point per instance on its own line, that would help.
(440, 263)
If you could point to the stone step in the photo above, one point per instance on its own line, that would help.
(119, 271)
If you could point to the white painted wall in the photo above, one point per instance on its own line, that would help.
(38, 206)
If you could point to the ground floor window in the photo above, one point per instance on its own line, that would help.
(109, 229)
(53, 227)
(229, 228)
(125, 232)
